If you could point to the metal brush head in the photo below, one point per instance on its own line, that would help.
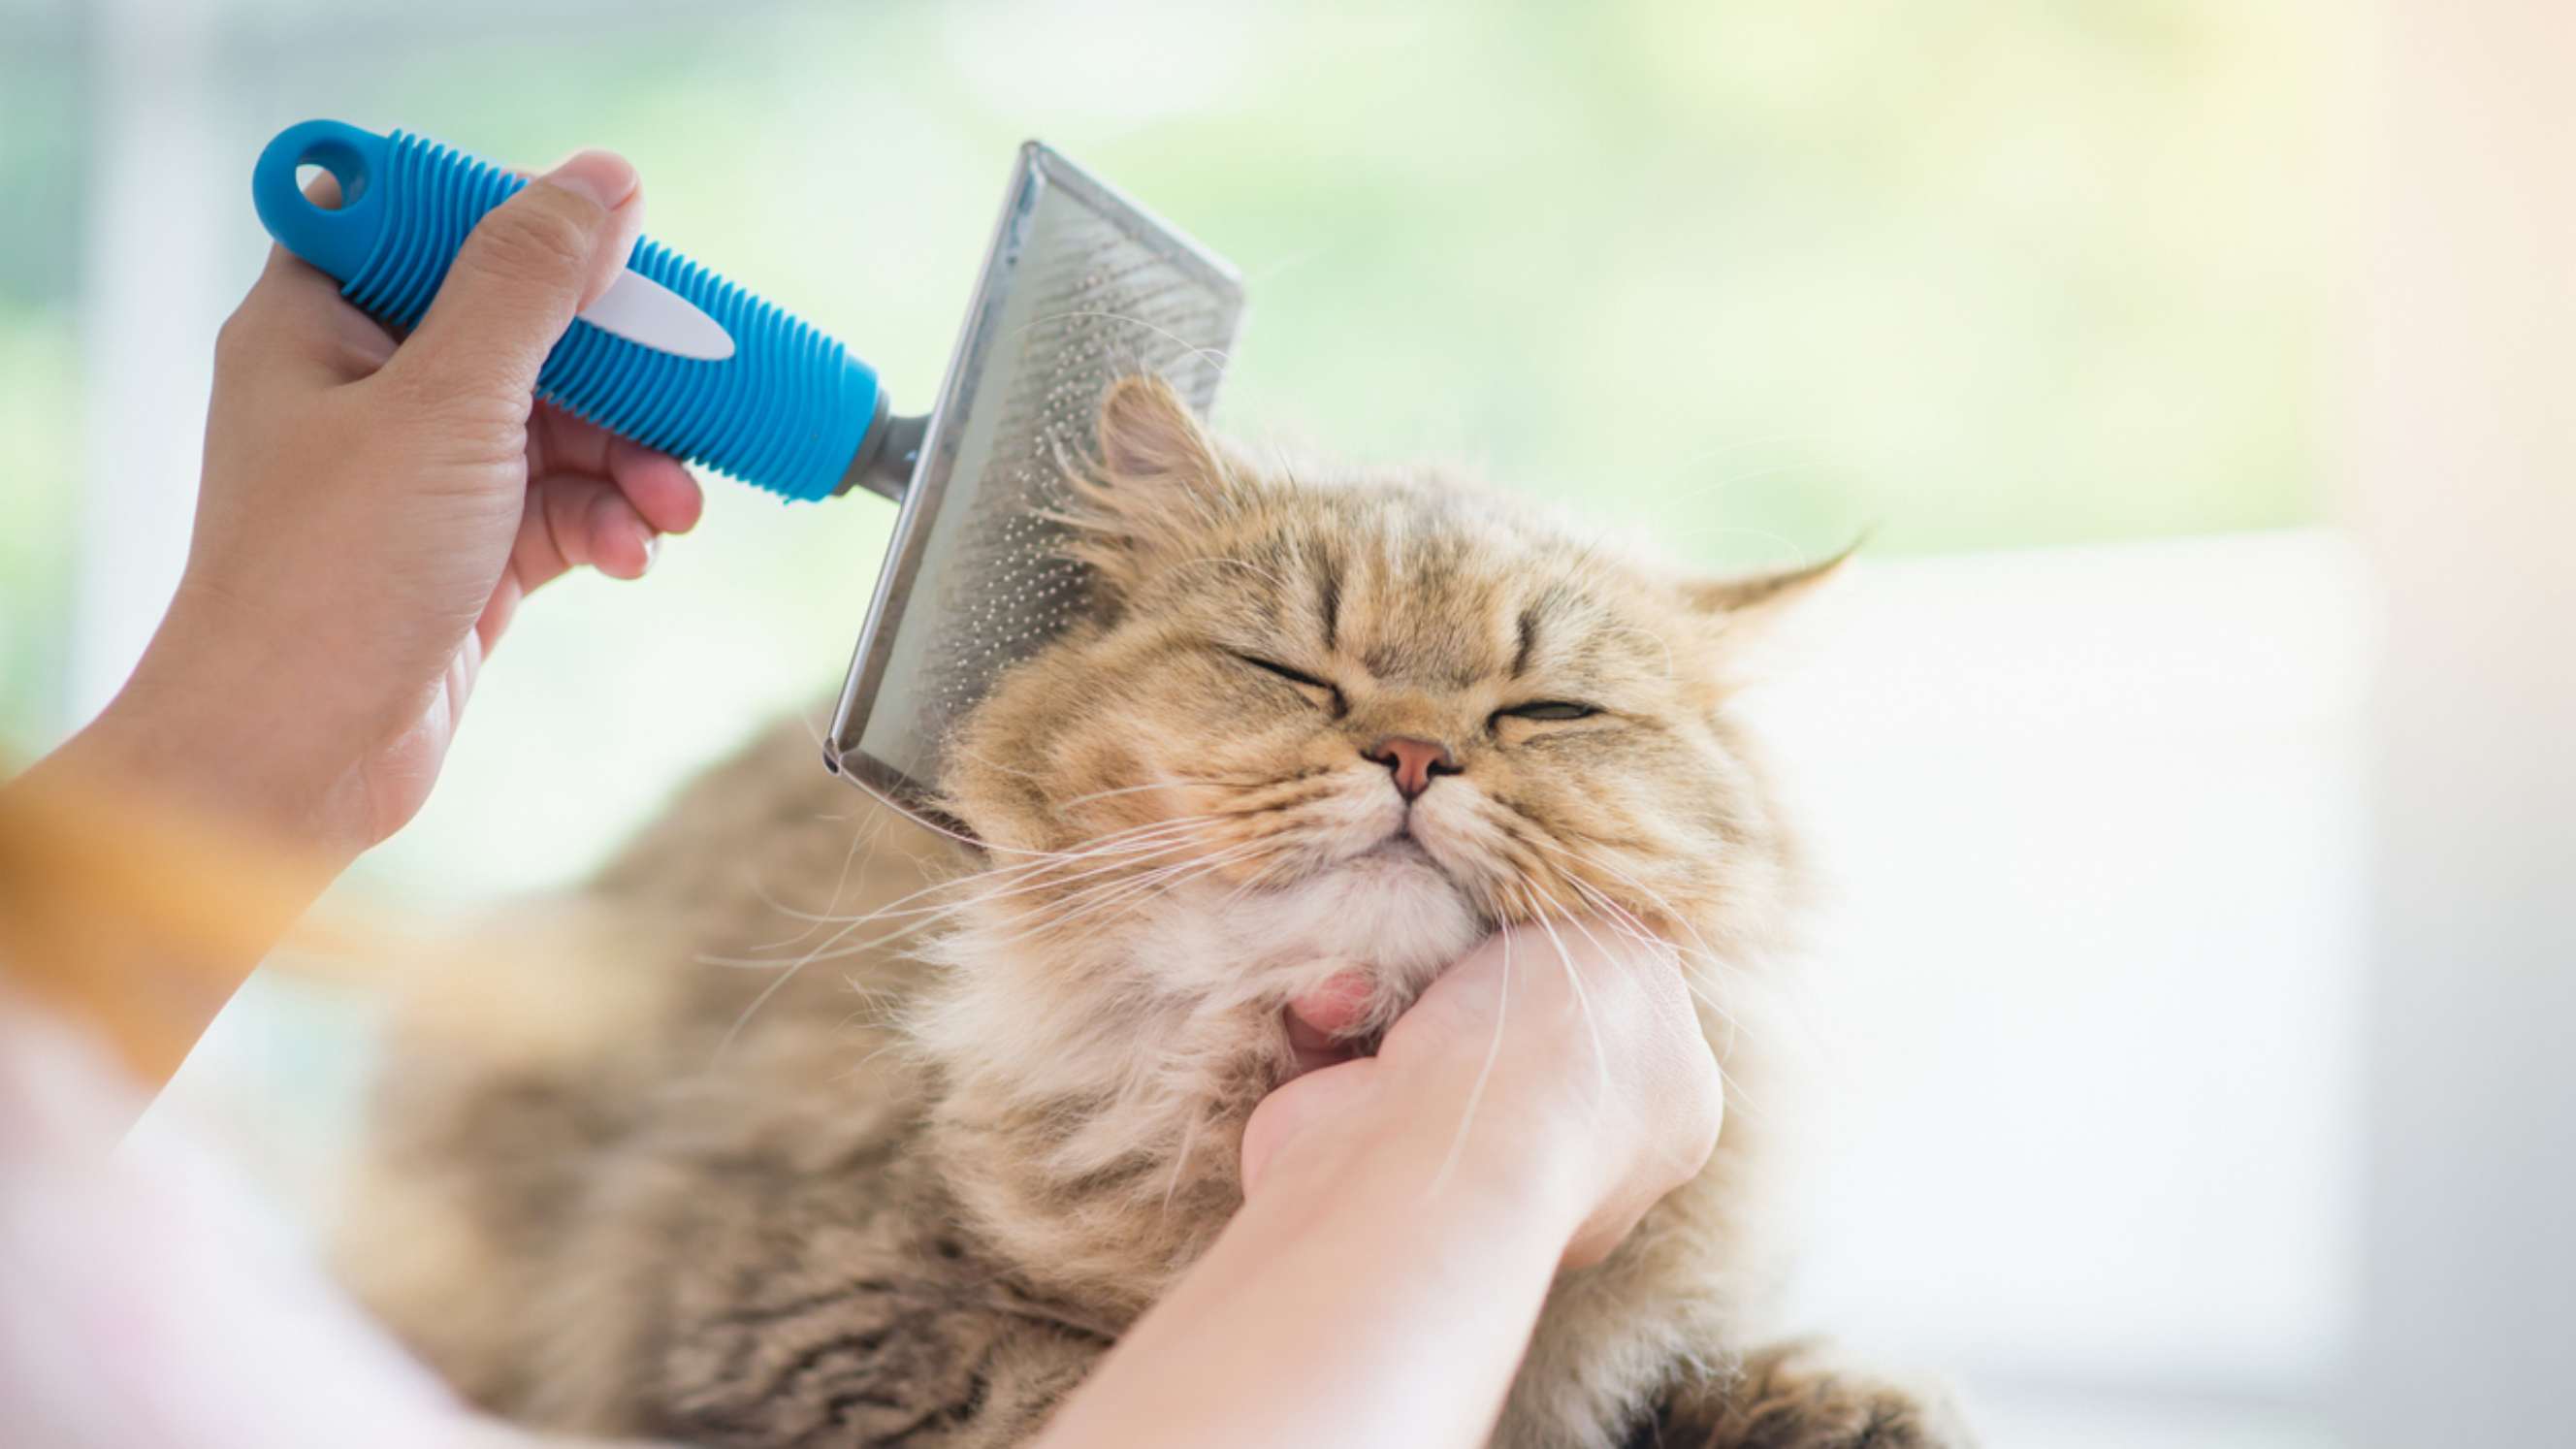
(1081, 287)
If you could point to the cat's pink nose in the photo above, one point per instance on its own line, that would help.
(1414, 762)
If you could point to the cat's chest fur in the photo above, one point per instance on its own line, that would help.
(1093, 1094)
(1094, 1138)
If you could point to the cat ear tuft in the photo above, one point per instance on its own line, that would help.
(1158, 478)
(1748, 603)
(1150, 442)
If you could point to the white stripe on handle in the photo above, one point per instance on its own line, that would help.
(648, 314)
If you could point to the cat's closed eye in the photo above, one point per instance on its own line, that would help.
(1296, 677)
(1548, 709)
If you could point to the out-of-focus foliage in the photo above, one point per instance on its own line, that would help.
(1972, 273)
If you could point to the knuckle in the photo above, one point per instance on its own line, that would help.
(435, 418)
(534, 241)
(483, 429)
(236, 341)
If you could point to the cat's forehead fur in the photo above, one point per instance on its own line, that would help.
(1418, 578)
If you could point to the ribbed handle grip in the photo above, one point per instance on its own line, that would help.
(787, 411)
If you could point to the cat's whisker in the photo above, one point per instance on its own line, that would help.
(935, 828)
(1627, 920)
(1166, 783)
(1135, 872)
(898, 1043)
(887, 1011)
(830, 948)
(1233, 855)
(1584, 862)
(1705, 950)
(815, 920)
(1140, 840)
(1621, 919)
(751, 882)
(1107, 895)
(836, 949)
(870, 831)
(1164, 878)
(1116, 848)
(1573, 978)
(814, 725)
(1702, 949)
(1624, 922)
(926, 916)
(1257, 879)
(778, 983)
(1169, 782)
(1234, 897)
(1180, 1162)
(1476, 1093)
(1077, 852)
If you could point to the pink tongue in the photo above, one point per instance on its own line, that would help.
(1337, 1007)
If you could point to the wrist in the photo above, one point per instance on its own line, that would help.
(156, 877)
(1422, 1153)
(222, 731)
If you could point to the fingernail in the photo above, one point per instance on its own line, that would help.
(603, 176)
(652, 549)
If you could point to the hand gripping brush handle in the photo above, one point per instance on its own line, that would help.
(672, 356)
(1080, 287)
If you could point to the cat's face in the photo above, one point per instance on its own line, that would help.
(1381, 713)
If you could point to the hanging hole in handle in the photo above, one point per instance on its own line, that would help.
(326, 198)
(339, 161)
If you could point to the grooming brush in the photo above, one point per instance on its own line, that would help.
(1080, 287)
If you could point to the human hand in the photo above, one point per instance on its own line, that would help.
(1565, 1067)
(373, 512)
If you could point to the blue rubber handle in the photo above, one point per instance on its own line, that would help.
(788, 411)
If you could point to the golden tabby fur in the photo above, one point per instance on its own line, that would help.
(909, 1191)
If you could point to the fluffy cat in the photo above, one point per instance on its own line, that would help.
(657, 1185)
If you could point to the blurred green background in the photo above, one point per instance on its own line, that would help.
(1972, 273)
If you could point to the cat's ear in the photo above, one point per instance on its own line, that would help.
(1750, 606)
(1158, 477)
(1150, 441)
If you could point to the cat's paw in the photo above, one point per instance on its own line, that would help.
(1806, 1396)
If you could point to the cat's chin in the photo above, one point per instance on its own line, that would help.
(1390, 906)
(1395, 853)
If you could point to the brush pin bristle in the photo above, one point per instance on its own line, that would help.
(1082, 288)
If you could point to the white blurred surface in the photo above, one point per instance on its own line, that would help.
(2088, 994)
(2464, 490)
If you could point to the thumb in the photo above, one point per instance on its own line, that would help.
(1304, 1106)
(529, 265)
